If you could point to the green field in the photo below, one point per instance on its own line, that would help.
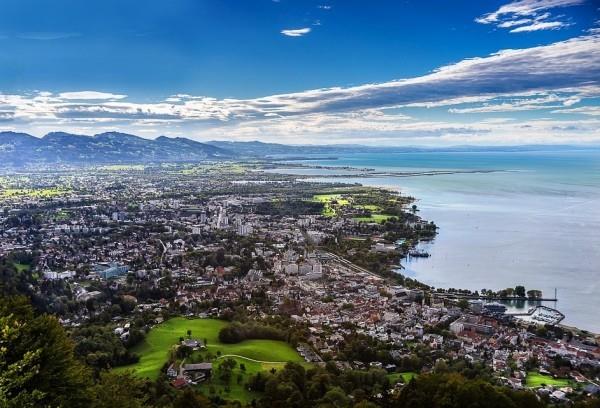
(406, 376)
(154, 352)
(373, 218)
(123, 167)
(235, 390)
(370, 207)
(333, 202)
(330, 208)
(221, 168)
(536, 380)
(33, 193)
(21, 267)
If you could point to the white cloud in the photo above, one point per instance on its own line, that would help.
(90, 95)
(571, 66)
(584, 110)
(537, 26)
(529, 15)
(299, 32)
(522, 103)
(554, 76)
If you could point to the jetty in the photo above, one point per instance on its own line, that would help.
(494, 298)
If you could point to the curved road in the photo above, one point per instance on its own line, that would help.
(251, 359)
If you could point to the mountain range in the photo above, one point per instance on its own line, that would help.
(22, 149)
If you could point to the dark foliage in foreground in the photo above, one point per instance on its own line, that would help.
(39, 368)
(294, 386)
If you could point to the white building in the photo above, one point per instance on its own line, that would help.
(245, 229)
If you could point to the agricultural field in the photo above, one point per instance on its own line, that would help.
(535, 380)
(255, 355)
(378, 218)
(123, 167)
(32, 193)
(221, 168)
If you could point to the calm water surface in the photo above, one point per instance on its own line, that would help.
(536, 223)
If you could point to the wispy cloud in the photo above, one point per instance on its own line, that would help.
(298, 32)
(529, 15)
(584, 110)
(571, 66)
(90, 95)
(46, 36)
(522, 103)
(541, 25)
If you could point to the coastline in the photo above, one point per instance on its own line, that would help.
(527, 223)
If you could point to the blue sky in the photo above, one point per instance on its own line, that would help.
(404, 72)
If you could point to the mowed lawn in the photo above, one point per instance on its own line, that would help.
(154, 350)
(536, 380)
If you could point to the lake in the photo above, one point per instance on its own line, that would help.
(535, 222)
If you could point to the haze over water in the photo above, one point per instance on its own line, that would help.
(537, 223)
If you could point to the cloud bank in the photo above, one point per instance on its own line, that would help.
(547, 78)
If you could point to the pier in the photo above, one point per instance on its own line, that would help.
(502, 299)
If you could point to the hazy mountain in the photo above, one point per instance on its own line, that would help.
(260, 149)
(17, 149)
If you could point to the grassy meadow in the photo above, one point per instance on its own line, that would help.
(535, 380)
(255, 355)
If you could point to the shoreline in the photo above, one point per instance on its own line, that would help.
(578, 316)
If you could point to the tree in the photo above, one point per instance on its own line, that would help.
(183, 351)
(191, 399)
(335, 397)
(591, 403)
(455, 391)
(119, 390)
(189, 333)
(520, 291)
(440, 366)
(463, 304)
(37, 362)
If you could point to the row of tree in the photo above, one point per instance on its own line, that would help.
(236, 332)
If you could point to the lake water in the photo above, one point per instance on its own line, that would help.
(535, 223)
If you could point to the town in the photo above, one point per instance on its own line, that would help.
(120, 252)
